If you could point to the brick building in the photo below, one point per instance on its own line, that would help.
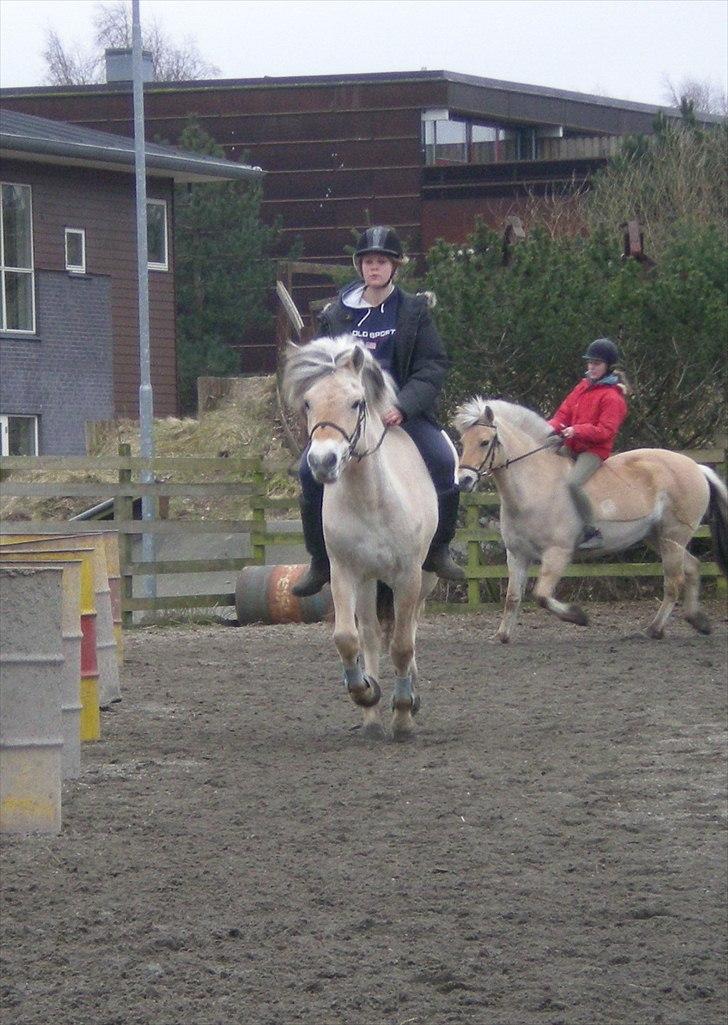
(69, 342)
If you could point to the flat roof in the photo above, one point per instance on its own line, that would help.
(26, 137)
(491, 84)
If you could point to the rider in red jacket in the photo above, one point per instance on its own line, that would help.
(587, 422)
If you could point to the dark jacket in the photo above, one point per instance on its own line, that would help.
(420, 360)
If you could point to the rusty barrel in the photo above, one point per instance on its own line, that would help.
(31, 669)
(263, 595)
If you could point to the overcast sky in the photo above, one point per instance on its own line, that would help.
(620, 48)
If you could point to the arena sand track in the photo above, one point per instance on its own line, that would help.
(550, 850)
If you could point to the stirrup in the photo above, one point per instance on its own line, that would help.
(441, 562)
(312, 581)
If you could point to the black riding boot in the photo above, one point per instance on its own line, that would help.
(438, 558)
(319, 572)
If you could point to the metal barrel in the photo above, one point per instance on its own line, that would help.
(31, 663)
(75, 545)
(71, 637)
(113, 570)
(108, 666)
(263, 595)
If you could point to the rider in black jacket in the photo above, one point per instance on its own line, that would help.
(398, 330)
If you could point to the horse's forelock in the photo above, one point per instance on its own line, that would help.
(474, 411)
(307, 364)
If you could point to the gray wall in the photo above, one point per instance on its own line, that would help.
(63, 374)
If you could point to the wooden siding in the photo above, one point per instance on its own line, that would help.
(102, 203)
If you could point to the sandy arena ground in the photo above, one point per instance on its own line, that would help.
(550, 849)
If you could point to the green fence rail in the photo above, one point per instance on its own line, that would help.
(248, 480)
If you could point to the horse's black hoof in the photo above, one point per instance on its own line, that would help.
(700, 622)
(576, 616)
(373, 731)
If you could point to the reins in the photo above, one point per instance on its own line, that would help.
(490, 454)
(355, 436)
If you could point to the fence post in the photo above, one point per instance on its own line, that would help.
(124, 510)
(472, 518)
(258, 537)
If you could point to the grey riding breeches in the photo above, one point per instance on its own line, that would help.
(586, 466)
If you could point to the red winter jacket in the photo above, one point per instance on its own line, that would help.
(596, 412)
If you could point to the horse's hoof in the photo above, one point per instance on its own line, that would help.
(655, 633)
(366, 695)
(373, 731)
(700, 622)
(503, 638)
(402, 734)
(416, 703)
(576, 616)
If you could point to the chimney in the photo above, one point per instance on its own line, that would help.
(119, 65)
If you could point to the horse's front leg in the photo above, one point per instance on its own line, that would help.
(405, 699)
(517, 576)
(362, 691)
(370, 639)
(553, 563)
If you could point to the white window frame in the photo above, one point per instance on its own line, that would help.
(165, 265)
(70, 267)
(5, 419)
(17, 270)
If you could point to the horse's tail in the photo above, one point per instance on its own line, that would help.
(718, 516)
(386, 609)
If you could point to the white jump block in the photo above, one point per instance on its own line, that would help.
(31, 672)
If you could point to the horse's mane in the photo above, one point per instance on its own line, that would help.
(307, 364)
(473, 410)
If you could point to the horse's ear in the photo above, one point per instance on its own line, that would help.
(355, 360)
(488, 416)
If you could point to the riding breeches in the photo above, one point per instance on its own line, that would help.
(586, 466)
(433, 445)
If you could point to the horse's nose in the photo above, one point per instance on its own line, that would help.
(328, 461)
(467, 480)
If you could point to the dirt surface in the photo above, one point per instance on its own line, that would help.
(550, 849)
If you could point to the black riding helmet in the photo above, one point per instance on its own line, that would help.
(603, 349)
(379, 239)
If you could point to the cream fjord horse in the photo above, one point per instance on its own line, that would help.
(649, 493)
(379, 515)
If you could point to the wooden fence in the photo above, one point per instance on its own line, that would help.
(245, 480)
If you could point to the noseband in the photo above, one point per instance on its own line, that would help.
(489, 456)
(354, 438)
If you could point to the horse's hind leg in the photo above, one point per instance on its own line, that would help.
(405, 700)
(691, 595)
(553, 563)
(517, 576)
(362, 691)
(673, 567)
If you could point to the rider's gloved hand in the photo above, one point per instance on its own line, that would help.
(554, 440)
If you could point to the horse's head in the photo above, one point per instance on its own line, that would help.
(476, 424)
(337, 387)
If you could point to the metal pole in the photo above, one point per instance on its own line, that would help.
(146, 403)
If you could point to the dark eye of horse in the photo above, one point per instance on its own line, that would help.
(358, 404)
(306, 406)
(484, 444)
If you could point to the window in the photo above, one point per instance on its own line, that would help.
(157, 234)
(76, 250)
(16, 259)
(18, 435)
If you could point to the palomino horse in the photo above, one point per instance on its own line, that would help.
(649, 493)
(379, 515)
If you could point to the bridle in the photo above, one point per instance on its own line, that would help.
(355, 437)
(482, 470)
